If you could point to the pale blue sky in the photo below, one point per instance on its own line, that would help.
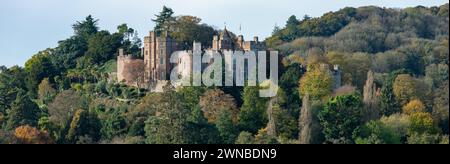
(28, 26)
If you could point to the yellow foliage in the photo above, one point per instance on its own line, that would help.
(30, 135)
(317, 82)
(404, 88)
(414, 106)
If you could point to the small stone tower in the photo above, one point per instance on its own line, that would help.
(337, 76)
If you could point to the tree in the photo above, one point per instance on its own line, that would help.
(187, 29)
(371, 98)
(84, 124)
(305, 121)
(131, 42)
(252, 115)
(163, 20)
(202, 132)
(113, 123)
(422, 122)
(62, 108)
(404, 88)
(102, 47)
(135, 72)
(45, 91)
(436, 74)
(388, 102)
(23, 112)
(245, 138)
(30, 135)
(414, 106)
(340, 117)
(38, 68)
(291, 28)
(86, 28)
(426, 138)
(168, 126)
(375, 132)
(441, 107)
(264, 138)
(400, 123)
(11, 82)
(317, 82)
(214, 101)
(226, 127)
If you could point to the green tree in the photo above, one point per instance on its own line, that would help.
(252, 115)
(163, 20)
(11, 82)
(340, 117)
(200, 131)
(441, 107)
(84, 124)
(86, 28)
(187, 29)
(113, 123)
(102, 46)
(375, 132)
(38, 68)
(23, 112)
(245, 138)
(226, 127)
(168, 126)
(389, 104)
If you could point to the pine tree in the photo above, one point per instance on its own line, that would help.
(23, 112)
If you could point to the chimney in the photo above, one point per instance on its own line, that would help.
(256, 39)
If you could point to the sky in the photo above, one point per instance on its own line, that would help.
(29, 26)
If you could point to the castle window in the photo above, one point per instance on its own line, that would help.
(161, 61)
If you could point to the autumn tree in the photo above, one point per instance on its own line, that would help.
(214, 101)
(388, 101)
(46, 91)
(414, 106)
(404, 88)
(317, 82)
(30, 135)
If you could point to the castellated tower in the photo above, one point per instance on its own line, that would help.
(157, 52)
(126, 69)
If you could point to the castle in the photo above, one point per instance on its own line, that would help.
(158, 49)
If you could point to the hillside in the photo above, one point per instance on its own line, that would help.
(393, 65)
